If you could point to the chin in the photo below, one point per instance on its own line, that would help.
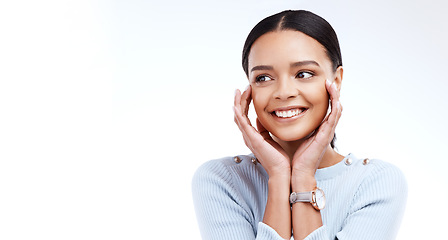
(292, 136)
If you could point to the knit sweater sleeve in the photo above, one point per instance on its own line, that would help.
(219, 209)
(378, 205)
(376, 209)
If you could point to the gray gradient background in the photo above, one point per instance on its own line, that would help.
(108, 107)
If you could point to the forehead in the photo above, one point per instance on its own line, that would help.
(287, 46)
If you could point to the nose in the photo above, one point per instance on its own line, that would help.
(286, 89)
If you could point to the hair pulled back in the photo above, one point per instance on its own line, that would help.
(298, 20)
(302, 21)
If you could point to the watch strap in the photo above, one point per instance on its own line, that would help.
(301, 197)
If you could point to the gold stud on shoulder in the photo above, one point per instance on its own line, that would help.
(254, 160)
(237, 159)
(348, 161)
(366, 161)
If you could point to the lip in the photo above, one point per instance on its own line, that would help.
(289, 119)
(287, 108)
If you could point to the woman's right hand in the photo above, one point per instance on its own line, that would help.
(275, 161)
(269, 153)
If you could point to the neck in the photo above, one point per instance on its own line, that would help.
(329, 158)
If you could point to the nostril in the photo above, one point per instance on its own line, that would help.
(286, 93)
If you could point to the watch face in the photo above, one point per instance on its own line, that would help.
(320, 198)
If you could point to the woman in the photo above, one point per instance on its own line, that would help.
(295, 184)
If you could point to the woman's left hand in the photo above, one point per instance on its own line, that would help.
(309, 155)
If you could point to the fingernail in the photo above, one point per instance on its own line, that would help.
(247, 87)
(334, 86)
(328, 82)
(236, 90)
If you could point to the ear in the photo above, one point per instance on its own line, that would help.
(338, 77)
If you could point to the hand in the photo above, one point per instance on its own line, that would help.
(269, 153)
(309, 154)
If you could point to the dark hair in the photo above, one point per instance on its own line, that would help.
(302, 21)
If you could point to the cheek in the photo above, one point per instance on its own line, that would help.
(321, 103)
(258, 101)
(318, 97)
(322, 97)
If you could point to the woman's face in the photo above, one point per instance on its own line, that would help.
(287, 72)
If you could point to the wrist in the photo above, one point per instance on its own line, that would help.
(279, 182)
(303, 183)
(279, 189)
(279, 173)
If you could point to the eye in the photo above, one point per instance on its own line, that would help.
(304, 75)
(263, 78)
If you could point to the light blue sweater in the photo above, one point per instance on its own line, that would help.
(364, 201)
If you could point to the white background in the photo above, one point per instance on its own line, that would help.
(108, 107)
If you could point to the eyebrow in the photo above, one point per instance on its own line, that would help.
(295, 64)
(261, 67)
(302, 63)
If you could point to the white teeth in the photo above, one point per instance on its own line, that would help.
(288, 113)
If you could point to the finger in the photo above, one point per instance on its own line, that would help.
(237, 104)
(240, 125)
(239, 117)
(332, 90)
(250, 134)
(333, 118)
(237, 98)
(242, 102)
(330, 87)
(328, 126)
(336, 103)
(334, 96)
(333, 122)
(246, 98)
(262, 130)
(241, 121)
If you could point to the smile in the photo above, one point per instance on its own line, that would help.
(289, 113)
